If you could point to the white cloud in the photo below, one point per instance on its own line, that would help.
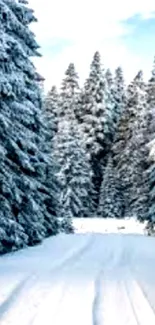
(76, 19)
(91, 25)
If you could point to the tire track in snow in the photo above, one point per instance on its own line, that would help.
(97, 300)
(141, 306)
(12, 296)
(112, 304)
(120, 300)
(61, 291)
(69, 293)
(107, 286)
(98, 288)
(74, 254)
(31, 291)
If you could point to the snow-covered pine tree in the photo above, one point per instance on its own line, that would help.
(150, 215)
(151, 105)
(150, 145)
(96, 119)
(138, 151)
(109, 116)
(94, 107)
(74, 175)
(74, 170)
(69, 94)
(129, 148)
(119, 95)
(25, 214)
(51, 106)
(151, 87)
(109, 78)
(116, 99)
(111, 203)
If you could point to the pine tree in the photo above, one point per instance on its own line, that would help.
(119, 95)
(111, 204)
(94, 108)
(109, 79)
(73, 174)
(96, 119)
(25, 215)
(51, 106)
(129, 148)
(150, 145)
(139, 152)
(151, 105)
(69, 94)
(151, 88)
(116, 98)
(150, 215)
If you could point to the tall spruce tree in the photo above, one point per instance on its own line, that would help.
(111, 203)
(69, 94)
(151, 87)
(96, 119)
(74, 175)
(74, 171)
(129, 148)
(151, 105)
(119, 93)
(117, 97)
(139, 152)
(94, 107)
(51, 106)
(150, 216)
(26, 194)
(150, 145)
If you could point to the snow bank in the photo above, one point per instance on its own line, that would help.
(52, 253)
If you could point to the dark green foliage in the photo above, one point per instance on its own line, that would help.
(111, 203)
(26, 178)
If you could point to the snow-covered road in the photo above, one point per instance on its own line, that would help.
(81, 279)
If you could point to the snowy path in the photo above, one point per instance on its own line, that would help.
(89, 279)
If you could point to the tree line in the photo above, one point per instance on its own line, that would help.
(75, 152)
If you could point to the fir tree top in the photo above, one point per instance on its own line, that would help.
(70, 82)
(96, 72)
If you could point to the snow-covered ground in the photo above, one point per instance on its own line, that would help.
(128, 225)
(86, 278)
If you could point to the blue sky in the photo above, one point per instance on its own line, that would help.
(71, 31)
(141, 39)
